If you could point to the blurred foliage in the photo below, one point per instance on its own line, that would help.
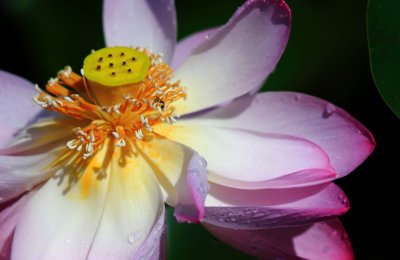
(192, 241)
(383, 22)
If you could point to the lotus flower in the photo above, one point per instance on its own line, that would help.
(90, 182)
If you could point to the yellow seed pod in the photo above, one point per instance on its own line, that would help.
(116, 66)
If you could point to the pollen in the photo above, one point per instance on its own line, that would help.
(120, 96)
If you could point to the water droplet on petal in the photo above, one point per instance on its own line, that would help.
(208, 35)
(329, 109)
(132, 238)
(203, 162)
(158, 226)
(259, 215)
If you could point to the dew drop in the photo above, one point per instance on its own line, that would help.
(158, 226)
(259, 215)
(68, 241)
(208, 35)
(203, 162)
(29, 187)
(132, 238)
(329, 109)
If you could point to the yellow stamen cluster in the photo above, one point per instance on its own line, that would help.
(123, 113)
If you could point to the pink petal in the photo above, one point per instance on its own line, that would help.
(251, 160)
(182, 175)
(17, 108)
(185, 46)
(154, 247)
(347, 142)
(236, 59)
(268, 208)
(321, 240)
(141, 23)
(9, 214)
(193, 192)
(21, 173)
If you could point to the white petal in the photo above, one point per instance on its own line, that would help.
(182, 176)
(141, 23)
(251, 160)
(237, 58)
(17, 109)
(61, 219)
(347, 142)
(132, 208)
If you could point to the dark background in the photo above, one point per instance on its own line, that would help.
(327, 56)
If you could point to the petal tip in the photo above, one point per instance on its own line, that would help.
(282, 12)
(192, 210)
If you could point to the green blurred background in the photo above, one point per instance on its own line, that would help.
(327, 56)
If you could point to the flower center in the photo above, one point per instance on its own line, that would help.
(115, 67)
(123, 93)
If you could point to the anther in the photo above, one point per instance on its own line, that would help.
(133, 58)
(124, 63)
(129, 70)
(109, 55)
(113, 73)
(122, 54)
(111, 64)
(98, 67)
(100, 59)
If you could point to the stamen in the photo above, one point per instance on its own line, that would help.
(141, 104)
